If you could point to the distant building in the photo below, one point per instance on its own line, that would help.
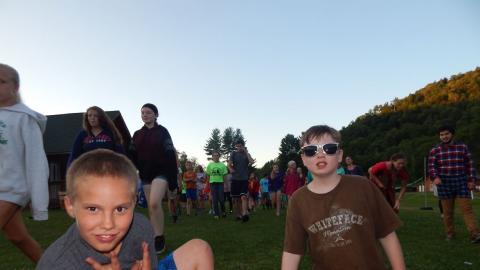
(62, 129)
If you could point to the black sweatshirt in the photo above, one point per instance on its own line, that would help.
(153, 153)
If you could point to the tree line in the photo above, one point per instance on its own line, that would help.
(407, 125)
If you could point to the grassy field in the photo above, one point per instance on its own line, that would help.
(258, 243)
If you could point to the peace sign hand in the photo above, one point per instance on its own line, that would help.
(144, 264)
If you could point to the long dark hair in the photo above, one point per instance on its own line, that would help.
(105, 123)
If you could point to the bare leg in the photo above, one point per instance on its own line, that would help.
(238, 206)
(189, 206)
(7, 211)
(201, 201)
(210, 202)
(12, 225)
(273, 199)
(278, 199)
(244, 205)
(195, 207)
(196, 254)
(171, 207)
(155, 193)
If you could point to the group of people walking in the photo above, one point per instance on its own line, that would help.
(151, 150)
(320, 210)
(24, 178)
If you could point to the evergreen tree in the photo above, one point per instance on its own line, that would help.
(183, 158)
(289, 150)
(227, 142)
(238, 136)
(214, 143)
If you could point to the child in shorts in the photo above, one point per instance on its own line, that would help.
(266, 203)
(190, 180)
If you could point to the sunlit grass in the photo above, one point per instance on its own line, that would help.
(258, 243)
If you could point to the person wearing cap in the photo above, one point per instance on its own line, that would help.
(154, 155)
(238, 165)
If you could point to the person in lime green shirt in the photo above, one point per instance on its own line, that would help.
(216, 171)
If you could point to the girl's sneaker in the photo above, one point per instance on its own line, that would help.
(160, 244)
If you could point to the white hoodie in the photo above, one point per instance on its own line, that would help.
(23, 164)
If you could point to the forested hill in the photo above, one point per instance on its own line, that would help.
(409, 125)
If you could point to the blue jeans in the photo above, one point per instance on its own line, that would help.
(217, 197)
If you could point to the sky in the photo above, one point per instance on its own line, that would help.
(268, 67)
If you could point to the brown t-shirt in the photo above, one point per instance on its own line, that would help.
(341, 226)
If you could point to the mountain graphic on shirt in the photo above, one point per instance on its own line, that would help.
(2, 127)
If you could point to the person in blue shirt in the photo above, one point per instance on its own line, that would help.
(98, 132)
(266, 202)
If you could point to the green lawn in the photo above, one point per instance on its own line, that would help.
(258, 243)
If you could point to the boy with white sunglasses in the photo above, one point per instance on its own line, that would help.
(339, 216)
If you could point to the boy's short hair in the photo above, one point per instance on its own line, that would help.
(101, 162)
(215, 152)
(448, 128)
(317, 132)
(291, 162)
(398, 156)
(240, 141)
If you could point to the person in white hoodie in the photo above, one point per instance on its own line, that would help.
(23, 164)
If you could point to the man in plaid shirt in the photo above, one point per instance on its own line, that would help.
(451, 167)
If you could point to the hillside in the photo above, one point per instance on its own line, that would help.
(409, 125)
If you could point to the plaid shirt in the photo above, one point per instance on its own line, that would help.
(452, 159)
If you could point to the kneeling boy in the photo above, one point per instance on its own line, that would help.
(101, 193)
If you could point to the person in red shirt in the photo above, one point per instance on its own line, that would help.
(302, 176)
(385, 173)
(253, 190)
(292, 180)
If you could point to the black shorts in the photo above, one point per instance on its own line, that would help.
(239, 188)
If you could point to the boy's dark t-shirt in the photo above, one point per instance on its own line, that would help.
(240, 164)
(342, 226)
(70, 250)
